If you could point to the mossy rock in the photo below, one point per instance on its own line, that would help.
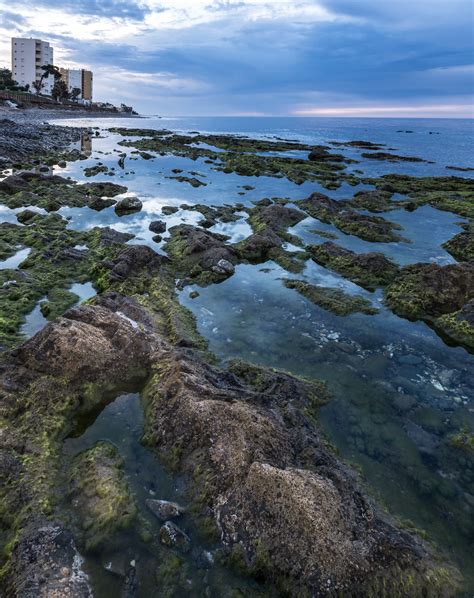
(100, 494)
(332, 299)
(368, 270)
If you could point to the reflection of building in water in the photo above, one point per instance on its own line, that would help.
(86, 144)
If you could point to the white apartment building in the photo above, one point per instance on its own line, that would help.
(28, 56)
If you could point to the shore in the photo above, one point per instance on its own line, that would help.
(25, 133)
(261, 479)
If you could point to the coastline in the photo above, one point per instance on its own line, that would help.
(168, 345)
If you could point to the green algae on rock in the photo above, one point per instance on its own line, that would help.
(439, 295)
(350, 222)
(100, 494)
(422, 291)
(332, 299)
(368, 270)
(373, 200)
(461, 246)
(246, 156)
(53, 192)
(51, 267)
(451, 194)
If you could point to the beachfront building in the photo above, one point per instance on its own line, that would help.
(78, 79)
(28, 56)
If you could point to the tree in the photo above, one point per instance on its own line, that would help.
(38, 86)
(75, 93)
(8, 83)
(60, 90)
(48, 69)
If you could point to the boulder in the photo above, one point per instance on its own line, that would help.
(164, 509)
(46, 563)
(128, 205)
(174, 537)
(88, 342)
(157, 226)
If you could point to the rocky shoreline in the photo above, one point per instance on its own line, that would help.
(259, 473)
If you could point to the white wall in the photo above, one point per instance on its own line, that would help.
(28, 56)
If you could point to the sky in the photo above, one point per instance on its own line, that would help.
(381, 58)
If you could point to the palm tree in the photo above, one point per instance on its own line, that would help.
(48, 69)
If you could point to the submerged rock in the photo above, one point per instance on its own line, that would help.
(100, 494)
(164, 509)
(174, 537)
(333, 299)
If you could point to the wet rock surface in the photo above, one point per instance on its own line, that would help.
(100, 495)
(128, 205)
(282, 502)
(368, 270)
(47, 563)
(346, 219)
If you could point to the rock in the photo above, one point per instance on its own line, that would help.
(256, 247)
(168, 210)
(133, 259)
(368, 270)
(341, 215)
(224, 267)
(422, 291)
(193, 294)
(88, 342)
(164, 509)
(275, 217)
(62, 164)
(46, 563)
(157, 226)
(173, 537)
(281, 501)
(128, 205)
(320, 154)
(196, 252)
(100, 494)
(193, 181)
(391, 157)
(26, 216)
(157, 238)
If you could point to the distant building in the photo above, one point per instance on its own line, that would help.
(28, 56)
(78, 79)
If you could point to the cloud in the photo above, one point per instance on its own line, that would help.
(261, 56)
(115, 9)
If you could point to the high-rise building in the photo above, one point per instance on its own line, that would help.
(28, 56)
(78, 79)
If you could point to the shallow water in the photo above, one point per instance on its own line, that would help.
(399, 391)
(199, 572)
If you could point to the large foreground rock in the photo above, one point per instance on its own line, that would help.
(283, 504)
(245, 438)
